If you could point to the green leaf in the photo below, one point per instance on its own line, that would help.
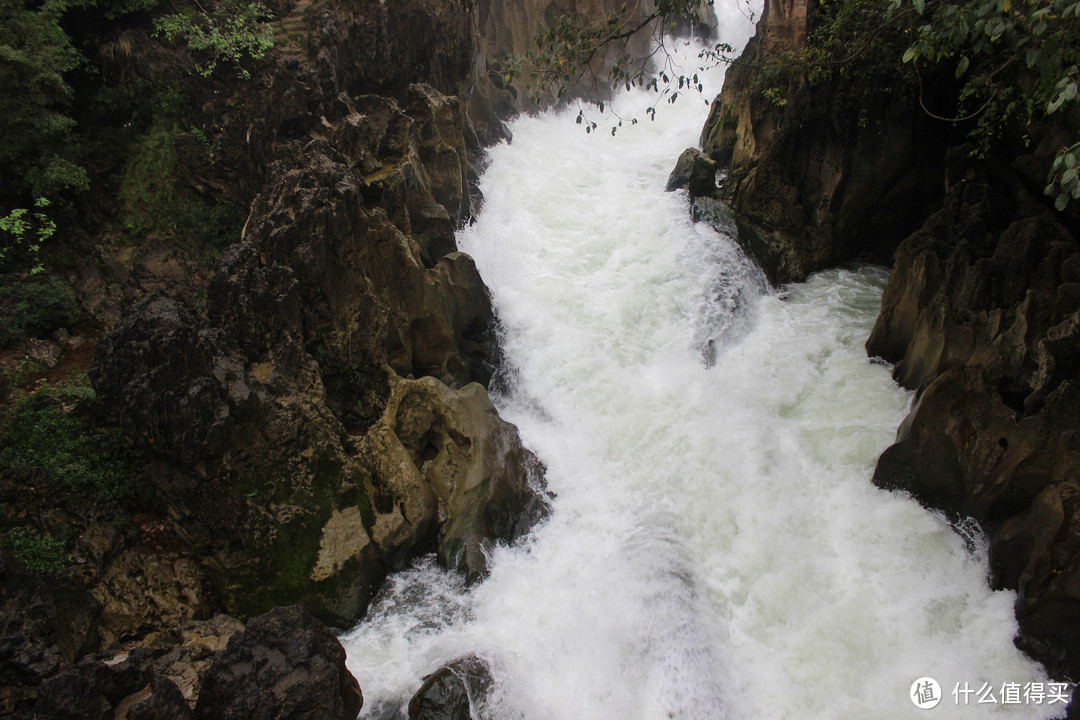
(920, 5)
(962, 66)
(909, 55)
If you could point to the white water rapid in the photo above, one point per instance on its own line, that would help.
(716, 548)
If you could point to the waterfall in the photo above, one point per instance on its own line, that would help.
(716, 548)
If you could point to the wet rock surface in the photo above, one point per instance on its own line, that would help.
(980, 315)
(695, 171)
(811, 181)
(453, 692)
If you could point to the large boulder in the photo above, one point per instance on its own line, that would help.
(459, 468)
(283, 666)
(695, 171)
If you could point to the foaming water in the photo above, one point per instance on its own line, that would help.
(716, 548)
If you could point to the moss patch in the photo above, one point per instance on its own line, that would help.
(155, 198)
(39, 553)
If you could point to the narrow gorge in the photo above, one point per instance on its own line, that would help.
(534, 435)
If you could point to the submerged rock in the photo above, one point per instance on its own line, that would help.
(452, 692)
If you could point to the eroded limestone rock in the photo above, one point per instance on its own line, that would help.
(461, 470)
(980, 316)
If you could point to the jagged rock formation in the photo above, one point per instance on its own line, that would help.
(813, 182)
(314, 413)
(980, 315)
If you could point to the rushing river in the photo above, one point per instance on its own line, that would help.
(716, 548)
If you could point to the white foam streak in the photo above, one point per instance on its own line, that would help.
(716, 548)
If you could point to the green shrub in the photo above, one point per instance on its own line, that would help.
(22, 233)
(156, 198)
(230, 36)
(47, 436)
(40, 553)
(36, 307)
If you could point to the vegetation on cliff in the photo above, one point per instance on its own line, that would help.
(280, 414)
(626, 48)
(76, 103)
(1018, 66)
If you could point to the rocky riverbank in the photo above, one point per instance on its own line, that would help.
(980, 314)
(294, 420)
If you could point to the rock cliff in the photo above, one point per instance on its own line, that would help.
(979, 315)
(817, 171)
(311, 414)
(274, 420)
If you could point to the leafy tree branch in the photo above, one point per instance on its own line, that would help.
(1019, 63)
(567, 54)
(234, 34)
(24, 232)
